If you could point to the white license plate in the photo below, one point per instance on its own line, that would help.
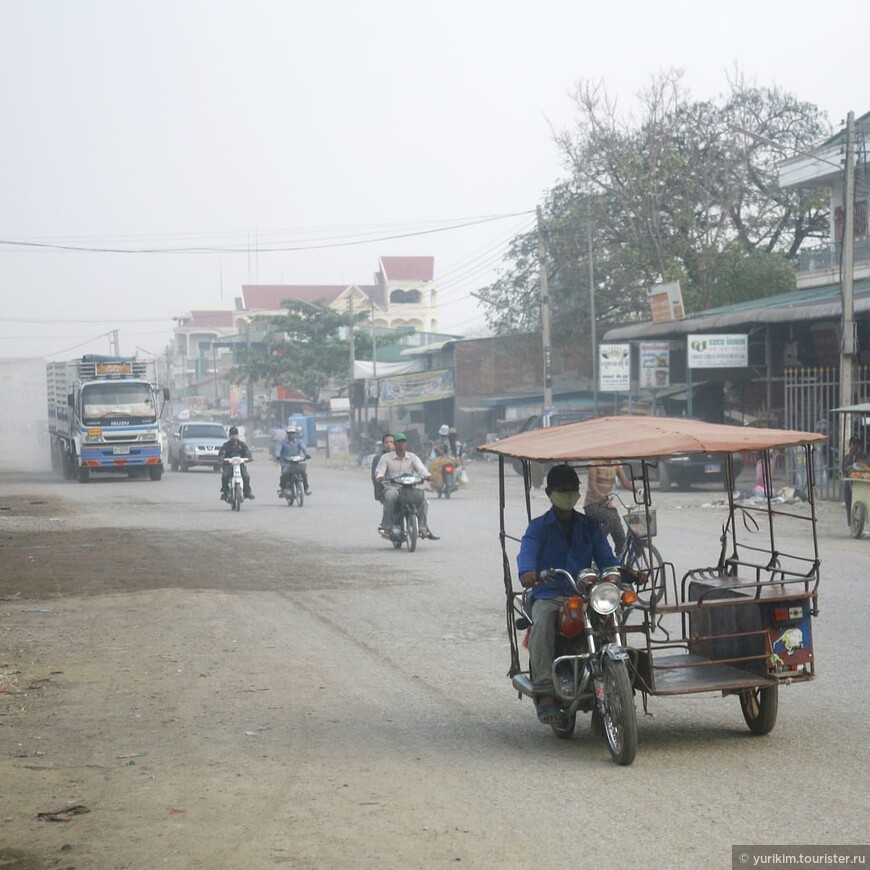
(120, 451)
(712, 468)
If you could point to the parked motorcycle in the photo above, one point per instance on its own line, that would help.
(406, 516)
(591, 671)
(237, 491)
(292, 485)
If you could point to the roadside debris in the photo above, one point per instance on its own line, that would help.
(64, 815)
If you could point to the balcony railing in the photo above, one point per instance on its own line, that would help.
(828, 256)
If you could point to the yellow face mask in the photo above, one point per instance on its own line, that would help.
(565, 500)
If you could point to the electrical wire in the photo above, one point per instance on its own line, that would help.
(351, 241)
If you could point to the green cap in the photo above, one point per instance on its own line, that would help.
(400, 436)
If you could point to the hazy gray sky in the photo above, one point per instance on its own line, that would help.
(174, 123)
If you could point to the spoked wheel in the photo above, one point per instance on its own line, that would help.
(564, 727)
(859, 516)
(637, 558)
(759, 708)
(300, 491)
(237, 498)
(620, 717)
(412, 529)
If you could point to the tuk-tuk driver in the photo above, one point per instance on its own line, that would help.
(561, 538)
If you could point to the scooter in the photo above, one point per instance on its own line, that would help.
(237, 491)
(406, 517)
(292, 485)
(591, 670)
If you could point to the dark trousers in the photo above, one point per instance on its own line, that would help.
(227, 476)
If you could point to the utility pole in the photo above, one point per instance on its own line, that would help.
(114, 343)
(545, 318)
(350, 345)
(592, 325)
(847, 273)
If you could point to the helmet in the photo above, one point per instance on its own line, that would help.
(451, 430)
(292, 429)
(233, 431)
(443, 430)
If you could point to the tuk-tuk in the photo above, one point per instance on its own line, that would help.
(856, 476)
(737, 622)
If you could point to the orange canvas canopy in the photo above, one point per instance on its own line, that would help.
(637, 437)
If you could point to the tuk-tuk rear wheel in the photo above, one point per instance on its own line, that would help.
(759, 708)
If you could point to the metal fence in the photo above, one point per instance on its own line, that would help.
(810, 395)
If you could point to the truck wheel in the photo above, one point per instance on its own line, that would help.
(69, 469)
(84, 475)
(184, 466)
(156, 473)
(173, 464)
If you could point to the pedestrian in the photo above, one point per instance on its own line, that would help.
(853, 459)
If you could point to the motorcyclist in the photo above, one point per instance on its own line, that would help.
(387, 446)
(441, 447)
(456, 447)
(561, 538)
(291, 446)
(234, 447)
(392, 465)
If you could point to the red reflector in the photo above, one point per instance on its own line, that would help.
(448, 468)
(780, 614)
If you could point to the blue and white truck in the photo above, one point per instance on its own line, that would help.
(103, 415)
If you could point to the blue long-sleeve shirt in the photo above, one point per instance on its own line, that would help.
(545, 545)
(288, 449)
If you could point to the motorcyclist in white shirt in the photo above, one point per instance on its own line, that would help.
(392, 465)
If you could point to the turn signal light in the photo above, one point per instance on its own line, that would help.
(629, 597)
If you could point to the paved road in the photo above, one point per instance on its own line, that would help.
(374, 683)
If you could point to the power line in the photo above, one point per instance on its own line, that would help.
(246, 249)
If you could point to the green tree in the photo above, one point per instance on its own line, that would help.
(304, 349)
(686, 191)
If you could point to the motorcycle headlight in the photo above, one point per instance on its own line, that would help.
(604, 598)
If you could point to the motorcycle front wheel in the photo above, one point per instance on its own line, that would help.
(620, 716)
(299, 489)
(237, 498)
(412, 529)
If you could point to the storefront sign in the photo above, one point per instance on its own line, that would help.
(416, 387)
(614, 367)
(655, 365)
(717, 351)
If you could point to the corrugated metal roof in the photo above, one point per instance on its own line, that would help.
(814, 303)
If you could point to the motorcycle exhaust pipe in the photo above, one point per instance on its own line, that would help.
(523, 685)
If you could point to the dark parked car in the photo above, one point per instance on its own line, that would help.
(683, 471)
